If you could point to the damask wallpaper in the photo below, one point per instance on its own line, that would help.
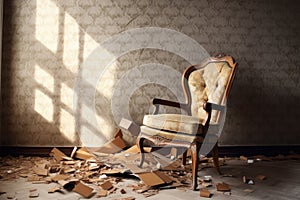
(46, 45)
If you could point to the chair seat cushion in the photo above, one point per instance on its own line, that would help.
(170, 135)
(173, 122)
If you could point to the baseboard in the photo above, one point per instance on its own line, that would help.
(229, 151)
(31, 151)
(234, 151)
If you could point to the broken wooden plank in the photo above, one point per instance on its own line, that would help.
(106, 185)
(205, 193)
(223, 187)
(83, 189)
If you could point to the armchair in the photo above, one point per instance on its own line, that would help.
(206, 87)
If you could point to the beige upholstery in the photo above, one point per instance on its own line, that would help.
(173, 122)
(170, 135)
(208, 84)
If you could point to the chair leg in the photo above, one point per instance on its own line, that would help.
(195, 147)
(215, 154)
(140, 145)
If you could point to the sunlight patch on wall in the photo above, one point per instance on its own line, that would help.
(89, 45)
(47, 21)
(43, 105)
(106, 126)
(67, 125)
(44, 78)
(71, 43)
(107, 82)
(66, 95)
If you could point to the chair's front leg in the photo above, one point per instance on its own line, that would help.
(140, 145)
(195, 147)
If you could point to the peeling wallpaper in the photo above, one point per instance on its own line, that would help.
(45, 43)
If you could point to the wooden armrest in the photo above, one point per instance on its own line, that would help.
(156, 102)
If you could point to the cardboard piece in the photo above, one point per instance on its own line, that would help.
(59, 177)
(57, 154)
(106, 185)
(155, 178)
(113, 146)
(40, 171)
(223, 187)
(55, 189)
(83, 154)
(102, 193)
(205, 193)
(83, 190)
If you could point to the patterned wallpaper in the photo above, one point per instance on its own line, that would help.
(46, 42)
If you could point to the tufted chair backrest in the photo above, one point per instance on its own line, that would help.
(209, 84)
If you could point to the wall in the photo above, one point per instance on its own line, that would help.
(46, 43)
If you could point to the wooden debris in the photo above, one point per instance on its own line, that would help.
(83, 190)
(59, 177)
(55, 189)
(106, 185)
(40, 171)
(154, 178)
(113, 146)
(102, 193)
(223, 187)
(83, 154)
(205, 193)
(57, 154)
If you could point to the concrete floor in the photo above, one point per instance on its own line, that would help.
(282, 183)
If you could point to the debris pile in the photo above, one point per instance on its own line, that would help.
(100, 173)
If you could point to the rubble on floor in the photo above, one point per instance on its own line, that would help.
(98, 174)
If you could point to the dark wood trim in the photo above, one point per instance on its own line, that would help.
(234, 151)
(31, 151)
(229, 151)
